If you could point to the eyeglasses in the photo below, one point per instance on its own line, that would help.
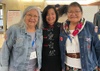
(75, 12)
(30, 15)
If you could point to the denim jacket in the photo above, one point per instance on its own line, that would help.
(89, 49)
(16, 50)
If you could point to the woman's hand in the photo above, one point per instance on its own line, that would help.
(98, 69)
(37, 69)
(62, 69)
(5, 36)
(67, 68)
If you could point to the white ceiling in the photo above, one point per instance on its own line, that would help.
(69, 1)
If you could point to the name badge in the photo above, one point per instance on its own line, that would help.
(99, 36)
(33, 55)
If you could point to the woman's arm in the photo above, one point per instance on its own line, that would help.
(6, 50)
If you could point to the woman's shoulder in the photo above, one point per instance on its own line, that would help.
(90, 24)
(11, 31)
(13, 27)
(59, 24)
(39, 30)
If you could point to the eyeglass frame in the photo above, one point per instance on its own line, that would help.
(75, 12)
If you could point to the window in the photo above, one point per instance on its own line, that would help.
(1, 17)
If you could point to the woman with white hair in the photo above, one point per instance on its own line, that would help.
(22, 49)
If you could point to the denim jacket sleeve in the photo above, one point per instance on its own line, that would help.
(6, 49)
(97, 48)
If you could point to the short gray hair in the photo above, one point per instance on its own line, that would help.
(22, 22)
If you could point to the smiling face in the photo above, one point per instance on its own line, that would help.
(74, 14)
(51, 16)
(31, 18)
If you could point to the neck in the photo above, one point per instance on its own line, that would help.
(73, 24)
(31, 30)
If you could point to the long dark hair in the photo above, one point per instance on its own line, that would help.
(45, 11)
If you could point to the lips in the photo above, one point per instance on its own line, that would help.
(73, 17)
(32, 21)
(50, 19)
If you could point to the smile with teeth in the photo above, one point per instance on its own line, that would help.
(32, 21)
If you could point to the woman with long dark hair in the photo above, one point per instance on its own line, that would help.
(51, 60)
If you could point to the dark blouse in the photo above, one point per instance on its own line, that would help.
(51, 49)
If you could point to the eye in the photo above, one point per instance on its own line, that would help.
(30, 15)
(75, 12)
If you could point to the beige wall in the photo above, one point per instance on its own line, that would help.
(17, 5)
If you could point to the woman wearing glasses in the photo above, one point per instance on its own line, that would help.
(79, 44)
(21, 50)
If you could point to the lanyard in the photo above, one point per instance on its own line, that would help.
(68, 36)
(33, 42)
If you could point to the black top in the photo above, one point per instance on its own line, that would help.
(51, 49)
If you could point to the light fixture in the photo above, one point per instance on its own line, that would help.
(26, 0)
